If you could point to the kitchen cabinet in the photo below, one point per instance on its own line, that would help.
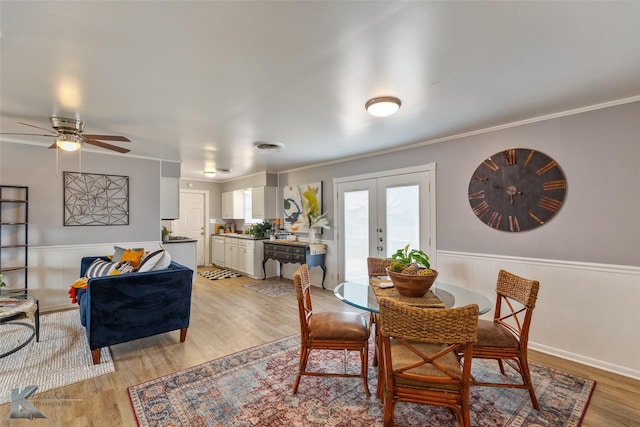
(243, 255)
(233, 204)
(218, 251)
(169, 197)
(249, 256)
(264, 202)
(231, 254)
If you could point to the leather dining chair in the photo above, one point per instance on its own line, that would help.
(507, 336)
(328, 331)
(376, 267)
(420, 362)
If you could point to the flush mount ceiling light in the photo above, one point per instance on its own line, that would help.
(268, 146)
(68, 142)
(382, 106)
(210, 174)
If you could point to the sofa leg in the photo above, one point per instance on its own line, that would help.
(95, 355)
(183, 334)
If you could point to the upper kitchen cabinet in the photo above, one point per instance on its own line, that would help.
(263, 202)
(170, 190)
(233, 204)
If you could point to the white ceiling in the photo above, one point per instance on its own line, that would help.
(200, 82)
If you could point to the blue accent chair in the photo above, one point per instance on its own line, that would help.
(126, 307)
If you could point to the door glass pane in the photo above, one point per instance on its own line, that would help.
(356, 234)
(403, 218)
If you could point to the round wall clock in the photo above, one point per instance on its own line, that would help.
(517, 189)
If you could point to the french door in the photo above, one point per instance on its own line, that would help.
(379, 214)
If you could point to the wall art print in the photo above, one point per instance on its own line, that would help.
(95, 199)
(293, 204)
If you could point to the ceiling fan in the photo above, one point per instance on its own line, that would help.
(68, 135)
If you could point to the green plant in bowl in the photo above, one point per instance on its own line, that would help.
(407, 257)
(411, 272)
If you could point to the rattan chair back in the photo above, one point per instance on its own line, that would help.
(378, 266)
(420, 363)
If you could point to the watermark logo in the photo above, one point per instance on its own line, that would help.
(21, 407)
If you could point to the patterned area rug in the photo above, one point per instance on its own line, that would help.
(253, 388)
(272, 288)
(60, 358)
(221, 273)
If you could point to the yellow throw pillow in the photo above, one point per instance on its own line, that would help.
(133, 257)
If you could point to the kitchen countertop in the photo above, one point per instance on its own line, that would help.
(184, 240)
(241, 236)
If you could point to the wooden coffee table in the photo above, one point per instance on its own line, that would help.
(15, 305)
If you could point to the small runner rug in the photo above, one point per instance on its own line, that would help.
(253, 388)
(272, 288)
(61, 357)
(219, 274)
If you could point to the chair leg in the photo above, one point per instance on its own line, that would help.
(501, 366)
(364, 368)
(389, 406)
(526, 378)
(302, 367)
(95, 356)
(183, 334)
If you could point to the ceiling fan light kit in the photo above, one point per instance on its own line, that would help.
(383, 106)
(68, 142)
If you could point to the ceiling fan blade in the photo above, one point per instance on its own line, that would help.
(38, 127)
(107, 137)
(27, 134)
(105, 145)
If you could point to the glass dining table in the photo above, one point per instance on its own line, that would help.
(358, 293)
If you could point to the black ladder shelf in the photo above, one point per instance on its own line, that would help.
(14, 236)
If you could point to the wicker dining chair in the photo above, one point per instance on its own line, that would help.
(507, 336)
(420, 363)
(376, 267)
(328, 331)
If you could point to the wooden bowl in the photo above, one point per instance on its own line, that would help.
(412, 285)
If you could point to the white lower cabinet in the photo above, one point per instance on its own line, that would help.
(219, 251)
(249, 256)
(243, 255)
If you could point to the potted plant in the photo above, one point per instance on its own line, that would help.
(411, 272)
(165, 234)
(260, 230)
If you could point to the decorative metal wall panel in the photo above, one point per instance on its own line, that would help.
(95, 199)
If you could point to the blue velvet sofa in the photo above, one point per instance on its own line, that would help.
(125, 307)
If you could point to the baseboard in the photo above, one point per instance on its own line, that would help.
(594, 363)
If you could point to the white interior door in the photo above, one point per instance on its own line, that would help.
(193, 221)
(378, 215)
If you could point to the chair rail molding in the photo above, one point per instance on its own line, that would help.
(584, 310)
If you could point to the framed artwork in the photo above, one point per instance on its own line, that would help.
(95, 199)
(293, 204)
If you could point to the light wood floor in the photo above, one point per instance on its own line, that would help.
(227, 317)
